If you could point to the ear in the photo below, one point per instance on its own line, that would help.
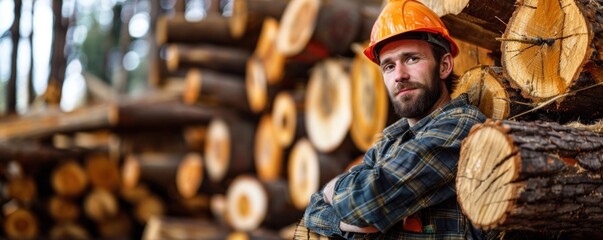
(446, 65)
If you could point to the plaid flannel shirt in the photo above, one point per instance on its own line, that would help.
(411, 169)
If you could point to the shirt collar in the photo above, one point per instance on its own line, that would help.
(401, 126)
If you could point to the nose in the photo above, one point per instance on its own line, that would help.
(401, 73)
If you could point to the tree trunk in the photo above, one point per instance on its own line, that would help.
(370, 100)
(559, 57)
(328, 113)
(252, 203)
(227, 148)
(215, 87)
(491, 92)
(479, 22)
(213, 29)
(11, 86)
(288, 117)
(531, 175)
(311, 30)
(248, 15)
(33, 153)
(309, 169)
(268, 153)
(225, 59)
(156, 72)
(58, 61)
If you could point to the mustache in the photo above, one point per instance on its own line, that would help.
(405, 85)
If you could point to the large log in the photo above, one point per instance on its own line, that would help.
(22, 189)
(20, 224)
(271, 58)
(248, 15)
(209, 86)
(308, 170)
(311, 30)
(33, 152)
(491, 92)
(215, 57)
(370, 100)
(252, 203)
(212, 29)
(63, 209)
(471, 55)
(101, 205)
(475, 21)
(69, 179)
(103, 171)
(268, 153)
(259, 94)
(551, 49)
(328, 109)
(227, 149)
(531, 175)
(288, 117)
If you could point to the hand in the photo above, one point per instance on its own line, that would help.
(351, 228)
(329, 190)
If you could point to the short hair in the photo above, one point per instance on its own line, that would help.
(452, 79)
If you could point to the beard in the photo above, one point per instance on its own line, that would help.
(418, 104)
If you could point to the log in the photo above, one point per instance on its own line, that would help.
(491, 92)
(559, 57)
(369, 97)
(257, 234)
(217, 206)
(68, 230)
(182, 228)
(288, 117)
(538, 176)
(209, 86)
(214, 57)
(213, 29)
(311, 30)
(256, 85)
(22, 189)
(308, 170)
(33, 152)
(69, 179)
(328, 110)
(247, 15)
(21, 224)
(229, 141)
(272, 60)
(160, 140)
(118, 227)
(475, 21)
(252, 203)
(148, 208)
(103, 172)
(369, 11)
(172, 174)
(268, 153)
(471, 55)
(101, 205)
(63, 209)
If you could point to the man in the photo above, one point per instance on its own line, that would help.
(405, 187)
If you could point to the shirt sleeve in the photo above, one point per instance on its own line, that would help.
(413, 175)
(320, 217)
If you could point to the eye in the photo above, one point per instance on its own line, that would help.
(387, 67)
(412, 59)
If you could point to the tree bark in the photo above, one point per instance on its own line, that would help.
(538, 176)
(58, 61)
(248, 15)
(209, 86)
(214, 57)
(550, 63)
(312, 30)
(11, 86)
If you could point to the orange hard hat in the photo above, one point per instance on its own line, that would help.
(408, 19)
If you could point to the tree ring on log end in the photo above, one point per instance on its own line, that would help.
(217, 150)
(238, 20)
(268, 152)
(189, 175)
(304, 173)
(192, 86)
(256, 85)
(485, 91)
(247, 203)
(297, 26)
(284, 118)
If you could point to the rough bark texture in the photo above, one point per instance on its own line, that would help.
(181, 56)
(532, 175)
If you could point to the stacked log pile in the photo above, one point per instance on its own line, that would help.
(270, 104)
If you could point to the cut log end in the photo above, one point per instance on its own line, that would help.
(284, 118)
(103, 172)
(21, 224)
(239, 18)
(247, 203)
(273, 60)
(23, 189)
(63, 209)
(328, 107)
(535, 55)
(369, 98)
(450, 7)
(101, 205)
(190, 175)
(487, 168)
(192, 86)
(304, 175)
(172, 60)
(485, 91)
(256, 85)
(148, 208)
(130, 172)
(297, 26)
(268, 152)
(69, 179)
(217, 150)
